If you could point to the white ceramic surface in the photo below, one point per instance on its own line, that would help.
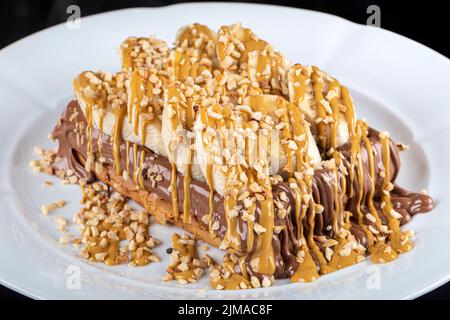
(398, 85)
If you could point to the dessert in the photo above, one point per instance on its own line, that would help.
(223, 137)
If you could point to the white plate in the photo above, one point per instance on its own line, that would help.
(398, 85)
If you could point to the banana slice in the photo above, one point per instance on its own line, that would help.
(97, 93)
(184, 65)
(259, 134)
(197, 37)
(177, 124)
(326, 105)
(149, 53)
(240, 50)
(193, 55)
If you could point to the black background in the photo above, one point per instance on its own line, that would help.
(423, 21)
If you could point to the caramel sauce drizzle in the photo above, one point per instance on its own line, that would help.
(264, 250)
(90, 94)
(210, 182)
(369, 149)
(232, 238)
(307, 269)
(174, 191)
(209, 122)
(119, 114)
(135, 163)
(321, 113)
(145, 99)
(399, 241)
(185, 266)
(140, 179)
(231, 280)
